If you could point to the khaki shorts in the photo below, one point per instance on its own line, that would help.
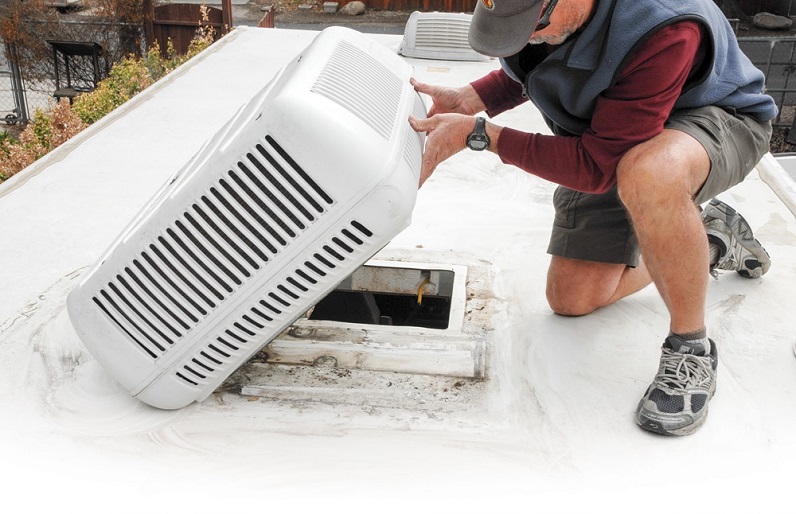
(597, 228)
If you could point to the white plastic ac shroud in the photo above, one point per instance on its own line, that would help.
(308, 181)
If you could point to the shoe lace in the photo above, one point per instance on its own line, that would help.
(679, 371)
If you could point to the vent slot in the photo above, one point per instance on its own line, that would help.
(267, 314)
(296, 284)
(358, 82)
(250, 321)
(261, 314)
(219, 352)
(202, 365)
(357, 225)
(314, 268)
(208, 357)
(194, 372)
(227, 344)
(351, 236)
(320, 258)
(186, 379)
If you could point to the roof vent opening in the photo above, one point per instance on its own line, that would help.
(372, 321)
(377, 295)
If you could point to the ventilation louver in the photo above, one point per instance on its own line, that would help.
(439, 35)
(308, 181)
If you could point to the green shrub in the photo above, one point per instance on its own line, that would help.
(126, 79)
(47, 130)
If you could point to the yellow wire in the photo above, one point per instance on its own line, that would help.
(420, 290)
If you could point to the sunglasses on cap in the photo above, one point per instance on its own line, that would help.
(544, 21)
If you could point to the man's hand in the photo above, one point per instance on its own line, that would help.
(447, 135)
(461, 100)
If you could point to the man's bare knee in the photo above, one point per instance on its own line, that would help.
(673, 164)
(568, 306)
(576, 287)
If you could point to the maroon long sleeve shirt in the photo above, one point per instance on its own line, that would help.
(631, 111)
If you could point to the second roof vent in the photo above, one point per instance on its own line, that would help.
(439, 35)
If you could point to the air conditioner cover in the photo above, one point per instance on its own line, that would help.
(439, 35)
(308, 181)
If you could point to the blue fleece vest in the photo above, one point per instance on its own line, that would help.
(565, 84)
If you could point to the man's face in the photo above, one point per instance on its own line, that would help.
(565, 19)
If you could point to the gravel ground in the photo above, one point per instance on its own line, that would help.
(289, 15)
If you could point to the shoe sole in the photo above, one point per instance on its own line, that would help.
(658, 428)
(745, 238)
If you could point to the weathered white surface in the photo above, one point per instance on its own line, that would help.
(550, 430)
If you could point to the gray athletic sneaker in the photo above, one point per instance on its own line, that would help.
(738, 248)
(676, 403)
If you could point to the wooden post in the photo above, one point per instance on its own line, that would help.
(149, 29)
(267, 21)
(226, 15)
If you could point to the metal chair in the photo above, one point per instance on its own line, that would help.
(77, 68)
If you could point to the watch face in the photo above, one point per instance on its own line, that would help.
(476, 143)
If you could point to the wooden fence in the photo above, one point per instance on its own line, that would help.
(179, 22)
(419, 5)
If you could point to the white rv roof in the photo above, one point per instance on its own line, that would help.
(553, 432)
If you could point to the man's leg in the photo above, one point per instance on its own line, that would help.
(675, 251)
(658, 181)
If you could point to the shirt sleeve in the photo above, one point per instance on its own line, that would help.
(631, 111)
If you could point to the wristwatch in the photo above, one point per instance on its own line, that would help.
(478, 140)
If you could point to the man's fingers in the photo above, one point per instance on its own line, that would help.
(420, 87)
(429, 161)
(419, 125)
(436, 94)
